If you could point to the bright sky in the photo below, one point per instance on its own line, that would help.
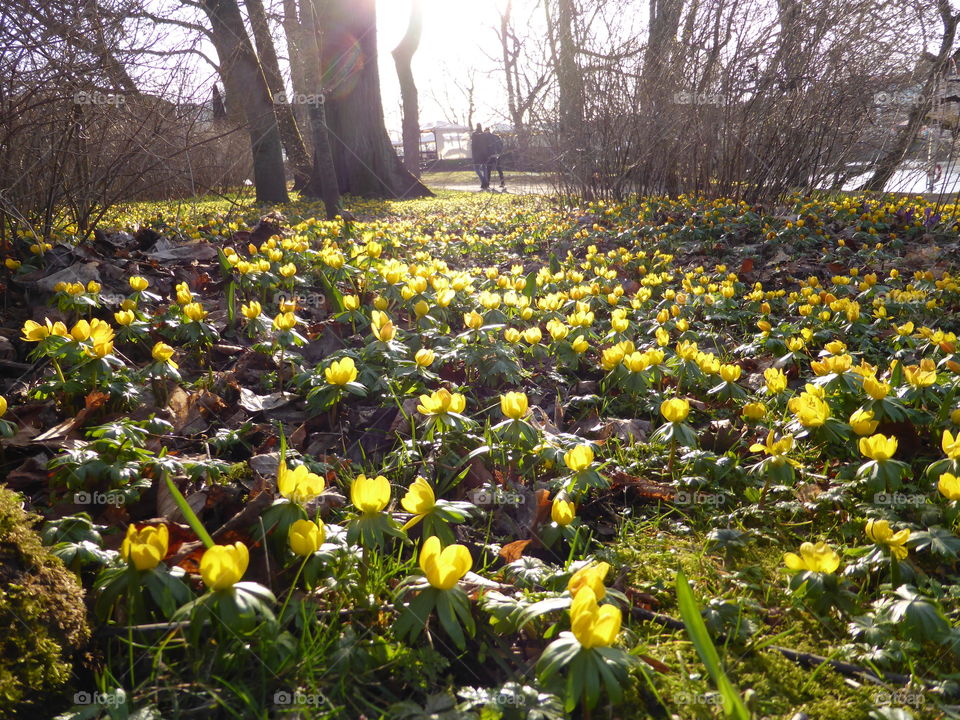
(458, 36)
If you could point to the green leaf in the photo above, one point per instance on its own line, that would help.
(192, 520)
(733, 706)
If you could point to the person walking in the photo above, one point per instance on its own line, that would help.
(495, 152)
(479, 148)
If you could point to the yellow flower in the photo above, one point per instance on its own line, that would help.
(351, 302)
(288, 306)
(306, 537)
(138, 283)
(145, 548)
(834, 364)
(591, 576)
(863, 423)
(593, 625)
(419, 500)
(299, 485)
(635, 362)
(754, 411)
(950, 445)
(579, 458)
(514, 405)
(421, 308)
(124, 317)
(814, 558)
(562, 512)
(512, 335)
(251, 310)
(382, 326)
(810, 410)
(184, 295)
(288, 270)
(580, 345)
(949, 486)
(876, 389)
(440, 402)
(532, 335)
(341, 372)
(922, 375)
(424, 357)
(194, 311)
(776, 449)
(878, 447)
(473, 320)
(445, 567)
(222, 566)
(675, 410)
(101, 339)
(879, 532)
(730, 373)
(3, 406)
(35, 332)
(776, 380)
(285, 321)
(370, 495)
(163, 353)
(12, 264)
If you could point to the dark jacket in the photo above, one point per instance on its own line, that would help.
(494, 144)
(480, 147)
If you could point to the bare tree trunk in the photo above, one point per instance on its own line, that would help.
(290, 135)
(365, 160)
(323, 176)
(918, 113)
(243, 78)
(402, 58)
(296, 42)
(571, 100)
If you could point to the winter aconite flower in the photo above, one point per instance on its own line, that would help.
(563, 512)
(299, 485)
(370, 495)
(306, 537)
(594, 625)
(776, 449)
(950, 445)
(3, 406)
(424, 357)
(341, 372)
(145, 548)
(222, 566)
(419, 500)
(810, 410)
(776, 380)
(949, 486)
(922, 375)
(514, 405)
(862, 422)
(819, 558)
(440, 402)
(879, 532)
(591, 576)
(251, 310)
(139, 284)
(285, 321)
(382, 327)
(163, 353)
(878, 447)
(579, 458)
(675, 410)
(444, 568)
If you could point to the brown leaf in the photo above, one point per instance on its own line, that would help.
(747, 265)
(514, 551)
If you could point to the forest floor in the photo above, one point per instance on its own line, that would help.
(614, 402)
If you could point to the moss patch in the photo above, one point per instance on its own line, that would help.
(42, 613)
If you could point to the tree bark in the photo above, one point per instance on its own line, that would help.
(402, 58)
(290, 135)
(296, 42)
(918, 113)
(243, 78)
(365, 161)
(323, 176)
